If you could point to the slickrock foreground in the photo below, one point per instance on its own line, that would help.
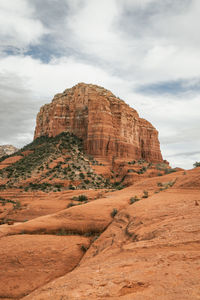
(108, 126)
(148, 250)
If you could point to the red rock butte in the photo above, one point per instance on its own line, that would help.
(109, 127)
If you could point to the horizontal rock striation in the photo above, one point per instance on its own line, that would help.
(108, 126)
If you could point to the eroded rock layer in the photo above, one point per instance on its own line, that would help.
(108, 126)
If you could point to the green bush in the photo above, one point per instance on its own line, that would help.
(131, 171)
(134, 199)
(71, 187)
(196, 164)
(114, 212)
(132, 162)
(84, 248)
(82, 198)
(145, 194)
(169, 171)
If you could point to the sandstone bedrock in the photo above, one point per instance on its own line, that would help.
(110, 128)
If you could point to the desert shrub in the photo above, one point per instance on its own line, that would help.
(62, 231)
(84, 248)
(39, 186)
(16, 204)
(82, 198)
(196, 164)
(119, 187)
(71, 187)
(131, 162)
(58, 185)
(82, 176)
(2, 187)
(134, 199)
(169, 171)
(141, 161)
(165, 185)
(142, 170)
(107, 182)
(145, 194)
(114, 212)
(71, 204)
(161, 166)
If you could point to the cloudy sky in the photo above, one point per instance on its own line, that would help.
(147, 52)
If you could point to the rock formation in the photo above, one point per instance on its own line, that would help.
(108, 126)
(7, 150)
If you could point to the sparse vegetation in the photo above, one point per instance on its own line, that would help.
(169, 171)
(145, 194)
(165, 185)
(196, 164)
(84, 248)
(114, 212)
(82, 198)
(16, 204)
(62, 232)
(132, 162)
(142, 170)
(42, 160)
(134, 199)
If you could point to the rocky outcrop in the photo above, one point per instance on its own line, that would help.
(108, 126)
(7, 150)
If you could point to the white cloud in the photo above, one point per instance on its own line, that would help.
(19, 27)
(117, 44)
(47, 79)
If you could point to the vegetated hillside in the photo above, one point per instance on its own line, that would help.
(52, 163)
(60, 163)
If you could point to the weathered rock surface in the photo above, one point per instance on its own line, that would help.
(150, 251)
(7, 150)
(107, 125)
(29, 261)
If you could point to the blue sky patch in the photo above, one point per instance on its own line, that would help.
(173, 87)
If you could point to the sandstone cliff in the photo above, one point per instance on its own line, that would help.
(7, 150)
(108, 126)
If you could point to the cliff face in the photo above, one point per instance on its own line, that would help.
(108, 126)
(7, 150)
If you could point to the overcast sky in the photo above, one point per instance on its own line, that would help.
(147, 52)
